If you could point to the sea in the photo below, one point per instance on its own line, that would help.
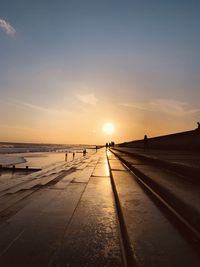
(38, 155)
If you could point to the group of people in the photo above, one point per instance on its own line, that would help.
(111, 144)
(74, 154)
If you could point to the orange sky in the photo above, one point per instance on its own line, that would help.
(69, 67)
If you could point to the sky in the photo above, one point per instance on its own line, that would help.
(67, 67)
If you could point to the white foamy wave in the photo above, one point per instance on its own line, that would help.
(7, 148)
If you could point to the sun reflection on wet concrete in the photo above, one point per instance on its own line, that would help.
(76, 215)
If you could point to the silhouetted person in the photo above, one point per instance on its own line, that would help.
(112, 144)
(145, 142)
(73, 155)
(84, 152)
(65, 156)
(13, 168)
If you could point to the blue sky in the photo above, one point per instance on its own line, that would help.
(67, 67)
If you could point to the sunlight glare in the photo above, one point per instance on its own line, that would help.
(108, 128)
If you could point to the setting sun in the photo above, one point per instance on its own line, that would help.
(108, 128)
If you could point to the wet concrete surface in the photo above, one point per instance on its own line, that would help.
(183, 162)
(70, 222)
(188, 158)
(179, 192)
(66, 215)
(95, 224)
(43, 230)
(117, 165)
(153, 239)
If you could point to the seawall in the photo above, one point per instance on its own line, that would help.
(189, 140)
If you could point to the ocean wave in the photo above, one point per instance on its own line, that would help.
(10, 148)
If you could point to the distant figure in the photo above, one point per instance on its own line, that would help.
(84, 152)
(65, 156)
(198, 127)
(73, 155)
(112, 144)
(145, 142)
(13, 168)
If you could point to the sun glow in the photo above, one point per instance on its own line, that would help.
(108, 128)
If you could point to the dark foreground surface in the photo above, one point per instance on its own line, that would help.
(87, 212)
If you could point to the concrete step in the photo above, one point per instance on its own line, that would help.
(179, 193)
(152, 239)
(70, 223)
(92, 237)
(184, 163)
(33, 234)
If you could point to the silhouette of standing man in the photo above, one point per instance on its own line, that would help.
(145, 142)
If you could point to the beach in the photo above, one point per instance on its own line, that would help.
(35, 156)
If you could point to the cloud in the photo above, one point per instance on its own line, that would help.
(61, 113)
(6, 27)
(89, 99)
(30, 106)
(167, 106)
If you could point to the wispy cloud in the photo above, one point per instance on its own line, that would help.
(37, 108)
(6, 27)
(89, 99)
(31, 106)
(167, 106)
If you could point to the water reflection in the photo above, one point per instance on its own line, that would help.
(108, 152)
(40, 160)
(107, 170)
